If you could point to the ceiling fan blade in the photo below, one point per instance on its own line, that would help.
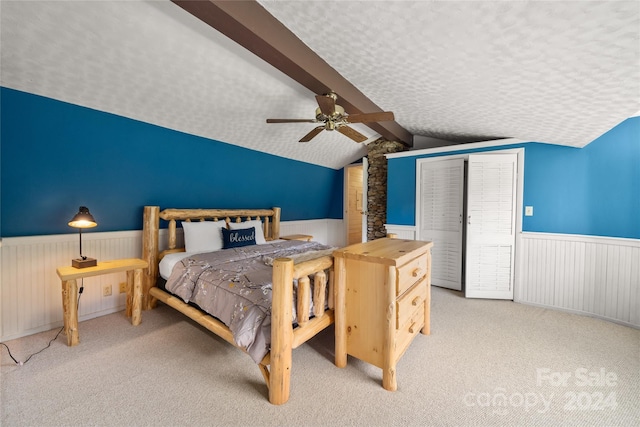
(308, 137)
(327, 104)
(384, 116)
(351, 133)
(291, 121)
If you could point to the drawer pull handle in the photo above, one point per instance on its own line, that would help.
(415, 301)
(411, 327)
(417, 272)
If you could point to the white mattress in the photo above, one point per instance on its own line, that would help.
(168, 261)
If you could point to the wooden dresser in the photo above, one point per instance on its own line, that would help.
(382, 300)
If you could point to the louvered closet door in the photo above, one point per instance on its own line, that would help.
(440, 203)
(491, 226)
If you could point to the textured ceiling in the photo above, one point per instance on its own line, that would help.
(555, 72)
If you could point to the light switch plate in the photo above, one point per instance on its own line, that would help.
(528, 211)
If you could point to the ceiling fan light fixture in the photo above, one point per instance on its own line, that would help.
(339, 111)
(333, 117)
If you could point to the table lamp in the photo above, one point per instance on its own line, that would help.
(83, 219)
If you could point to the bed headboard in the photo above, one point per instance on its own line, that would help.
(151, 227)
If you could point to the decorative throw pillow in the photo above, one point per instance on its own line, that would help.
(256, 223)
(238, 238)
(202, 236)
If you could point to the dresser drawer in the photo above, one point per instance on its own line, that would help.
(408, 331)
(410, 273)
(408, 303)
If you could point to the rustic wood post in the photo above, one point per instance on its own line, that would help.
(319, 289)
(172, 234)
(129, 303)
(331, 293)
(70, 306)
(275, 224)
(136, 291)
(150, 228)
(281, 331)
(304, 293)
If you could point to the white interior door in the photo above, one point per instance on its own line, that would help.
(491, 226)
(440, 189)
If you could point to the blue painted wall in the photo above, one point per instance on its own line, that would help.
(57, 156)
(590, 191)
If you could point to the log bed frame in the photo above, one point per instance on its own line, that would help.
(276, 365)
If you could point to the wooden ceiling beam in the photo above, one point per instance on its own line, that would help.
(253, 27)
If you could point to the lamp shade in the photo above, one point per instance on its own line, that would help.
(83, 219)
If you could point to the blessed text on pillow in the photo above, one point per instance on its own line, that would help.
(238, 238)
(256, 223)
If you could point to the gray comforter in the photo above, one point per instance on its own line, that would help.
(234, 285)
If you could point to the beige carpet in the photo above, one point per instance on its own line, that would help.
(485, 363)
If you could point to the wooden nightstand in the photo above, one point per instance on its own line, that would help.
(69, 275)
(304, 237)
(383, 298)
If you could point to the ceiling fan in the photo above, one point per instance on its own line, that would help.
(333, 117)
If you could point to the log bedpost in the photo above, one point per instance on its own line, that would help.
(150, 228)
(281, 331)
(275, 224)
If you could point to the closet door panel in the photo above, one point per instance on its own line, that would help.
(491, 226)
(440, 187)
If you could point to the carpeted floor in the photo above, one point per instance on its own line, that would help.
(485, 363)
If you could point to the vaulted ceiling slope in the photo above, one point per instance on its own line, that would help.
(561, 72)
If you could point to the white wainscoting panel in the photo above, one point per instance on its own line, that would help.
(30, 290)
(596, 276)
(327, 231)
(402, 231)
(589, 275)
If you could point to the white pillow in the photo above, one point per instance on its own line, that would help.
(260, 240)
(202, 236)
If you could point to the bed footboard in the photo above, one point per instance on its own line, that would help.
(284, 337)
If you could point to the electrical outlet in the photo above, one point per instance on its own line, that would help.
(106, 291)
(123, 287)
